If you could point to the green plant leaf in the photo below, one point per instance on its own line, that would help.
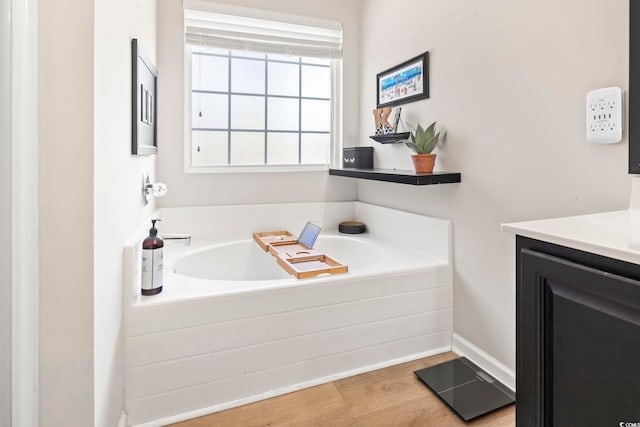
(412, 146)
(430, 132)
(421, 145)
(432, 143)
(419, 135)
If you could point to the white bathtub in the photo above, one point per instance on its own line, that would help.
(244, 260)
(232, 327)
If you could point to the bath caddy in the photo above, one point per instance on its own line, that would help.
(295, 257)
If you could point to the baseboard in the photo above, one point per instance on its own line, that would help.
(273, 393)
(122, 422)
(498, 370)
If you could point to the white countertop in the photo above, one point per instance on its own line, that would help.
(612, 234)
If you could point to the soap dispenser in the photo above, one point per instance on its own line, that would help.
(152, 262)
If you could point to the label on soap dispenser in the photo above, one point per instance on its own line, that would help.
(152, 264)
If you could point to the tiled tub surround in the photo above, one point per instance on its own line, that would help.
(206, 345)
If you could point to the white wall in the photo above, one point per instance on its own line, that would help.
(90, 201)
(66, 212)
(508, 80)
(118, 207)
(221, 189)
(5, 213)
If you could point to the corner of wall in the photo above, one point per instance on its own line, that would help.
(498, 370)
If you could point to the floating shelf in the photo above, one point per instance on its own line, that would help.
(399, 176)
(393, 138)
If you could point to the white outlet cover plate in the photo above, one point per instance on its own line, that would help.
(604, 115)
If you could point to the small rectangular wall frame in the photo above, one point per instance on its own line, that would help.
(143, 102)
(404, 83)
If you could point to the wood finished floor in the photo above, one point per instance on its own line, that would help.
(388, 397)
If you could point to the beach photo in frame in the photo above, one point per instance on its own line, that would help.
(404, 83)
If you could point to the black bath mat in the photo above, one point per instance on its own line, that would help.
(468, 390)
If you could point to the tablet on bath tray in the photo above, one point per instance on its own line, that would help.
(309, 234)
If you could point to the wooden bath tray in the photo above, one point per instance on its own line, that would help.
(295, 257)
(269, 239)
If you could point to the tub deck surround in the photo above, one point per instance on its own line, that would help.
(213, 340)
(205, 269)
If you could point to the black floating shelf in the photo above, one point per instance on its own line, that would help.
(393, 138)
(399, 176)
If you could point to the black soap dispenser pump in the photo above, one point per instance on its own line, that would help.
(152, 262)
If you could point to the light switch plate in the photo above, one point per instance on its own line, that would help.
(604, 115)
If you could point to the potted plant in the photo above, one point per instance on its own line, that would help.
(423, 142)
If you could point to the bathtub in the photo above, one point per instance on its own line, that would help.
(245, 261)
(232, 327)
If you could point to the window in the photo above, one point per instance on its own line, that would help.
(262, 94)
(259, 109)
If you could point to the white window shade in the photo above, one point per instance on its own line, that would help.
(237, 29)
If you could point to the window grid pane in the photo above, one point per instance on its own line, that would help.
(209, 148)
(282, 123)
(282, 148)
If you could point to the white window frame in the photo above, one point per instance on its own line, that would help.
(336, 129)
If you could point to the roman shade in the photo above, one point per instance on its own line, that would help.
(236, 28)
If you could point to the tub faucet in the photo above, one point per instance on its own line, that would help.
(186, 238)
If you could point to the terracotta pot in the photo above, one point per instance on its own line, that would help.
(423, 163)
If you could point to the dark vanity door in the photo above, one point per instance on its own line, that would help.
(578, 345)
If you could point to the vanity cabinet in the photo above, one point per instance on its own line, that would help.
(578, 337)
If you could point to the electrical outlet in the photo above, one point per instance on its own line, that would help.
(604, 115)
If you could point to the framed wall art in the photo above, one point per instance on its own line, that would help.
(404, 83)
(143, 102)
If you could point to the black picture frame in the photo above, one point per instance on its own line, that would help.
(416, 68)
(144, 102)
(634, 85)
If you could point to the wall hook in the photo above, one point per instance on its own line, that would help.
(150, 189)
